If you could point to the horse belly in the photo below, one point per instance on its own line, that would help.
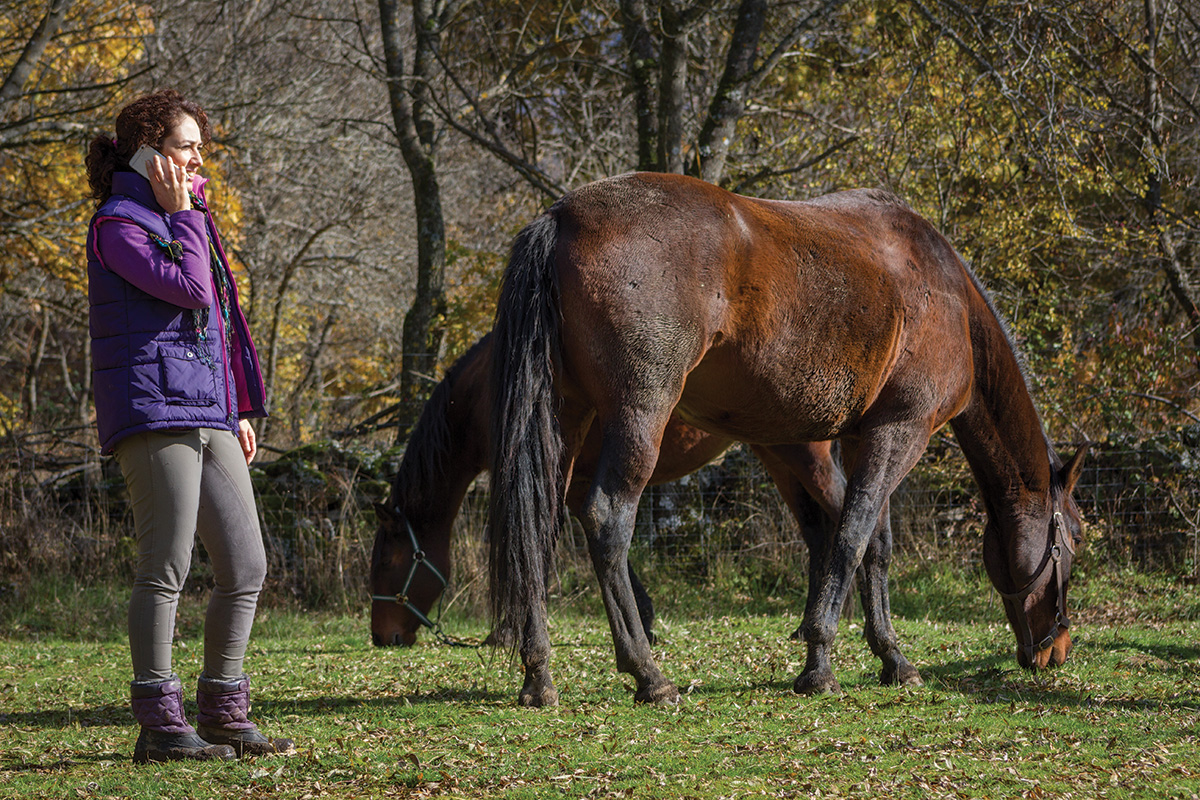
(805, 404)
(808, 371)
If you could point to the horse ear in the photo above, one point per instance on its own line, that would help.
(1074, 469)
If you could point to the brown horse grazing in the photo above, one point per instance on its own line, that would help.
(774, 323)
(448, 448)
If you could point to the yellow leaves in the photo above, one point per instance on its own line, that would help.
(45, 200)
(10, 409)
(99, 41)
(228, 210)
(472, 285)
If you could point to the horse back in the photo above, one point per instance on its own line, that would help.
(763, 320)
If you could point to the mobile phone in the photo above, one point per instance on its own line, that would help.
(144, 154)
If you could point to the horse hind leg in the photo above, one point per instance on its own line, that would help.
(626, 462)
(538, 689)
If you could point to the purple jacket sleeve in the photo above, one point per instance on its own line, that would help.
(129, 251)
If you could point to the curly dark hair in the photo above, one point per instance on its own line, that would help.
(146, 120)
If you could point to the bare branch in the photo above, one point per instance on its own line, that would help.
(14, 84)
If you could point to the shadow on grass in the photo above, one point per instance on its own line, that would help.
(121, 716)
(993, 680)
(1164, 651)
(437, 696)
(62, 764)
(66, 717)
(732, 689)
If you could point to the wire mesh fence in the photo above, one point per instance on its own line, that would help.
(1140, 499)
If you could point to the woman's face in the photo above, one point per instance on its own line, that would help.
(182, 145)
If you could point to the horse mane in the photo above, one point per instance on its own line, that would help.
(422, 471)
(885, 196)
(1022, 364)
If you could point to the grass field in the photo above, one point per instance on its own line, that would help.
(1121, 719)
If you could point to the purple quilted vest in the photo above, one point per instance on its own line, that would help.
(152, 370)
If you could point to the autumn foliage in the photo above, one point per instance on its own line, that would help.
(1053, 142)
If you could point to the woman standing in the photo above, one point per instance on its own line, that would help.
(176, 378)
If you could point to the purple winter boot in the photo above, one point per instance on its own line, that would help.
(224, 718)
(165, 735)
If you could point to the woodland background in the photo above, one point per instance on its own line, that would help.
(371, 163)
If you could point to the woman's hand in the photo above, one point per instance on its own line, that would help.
(246, 437)
(170, 184)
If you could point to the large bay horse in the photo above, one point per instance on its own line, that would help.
(846, 317)
(449, 447)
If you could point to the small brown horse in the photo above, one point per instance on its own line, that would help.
(448, 448)
(846, 317)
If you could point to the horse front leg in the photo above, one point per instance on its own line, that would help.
(884, 456)
(873, 590)
(645, 605)
(608, 518)
(814, 487)
(827, 591)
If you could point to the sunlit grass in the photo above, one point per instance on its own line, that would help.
(1121, 719)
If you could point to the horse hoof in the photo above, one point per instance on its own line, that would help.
(500, 640)
(664, 695)
(909, 677)
(538, 699)
(817, 682)
(904, 675)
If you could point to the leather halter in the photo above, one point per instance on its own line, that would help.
(1059, 538)
(401, 597)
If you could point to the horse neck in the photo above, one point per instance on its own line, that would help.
(999, 430)
(442, 458)
(435, 497)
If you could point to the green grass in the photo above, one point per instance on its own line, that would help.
(1121, 719)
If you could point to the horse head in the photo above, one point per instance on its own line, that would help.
(408, 575)
(1029, 556)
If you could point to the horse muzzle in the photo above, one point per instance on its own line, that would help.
(1055, 655)
(396, 639)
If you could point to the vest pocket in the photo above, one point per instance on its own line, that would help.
(186, 379)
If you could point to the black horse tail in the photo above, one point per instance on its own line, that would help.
(527, 508)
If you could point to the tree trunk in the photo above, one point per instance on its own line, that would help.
(14, 83)
(416, 131)
(729, 100)
(1176, 274)
(672, 88)
(35, 366)
(643, 63)
(310, 390)
(271, 362)
(85, 384)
